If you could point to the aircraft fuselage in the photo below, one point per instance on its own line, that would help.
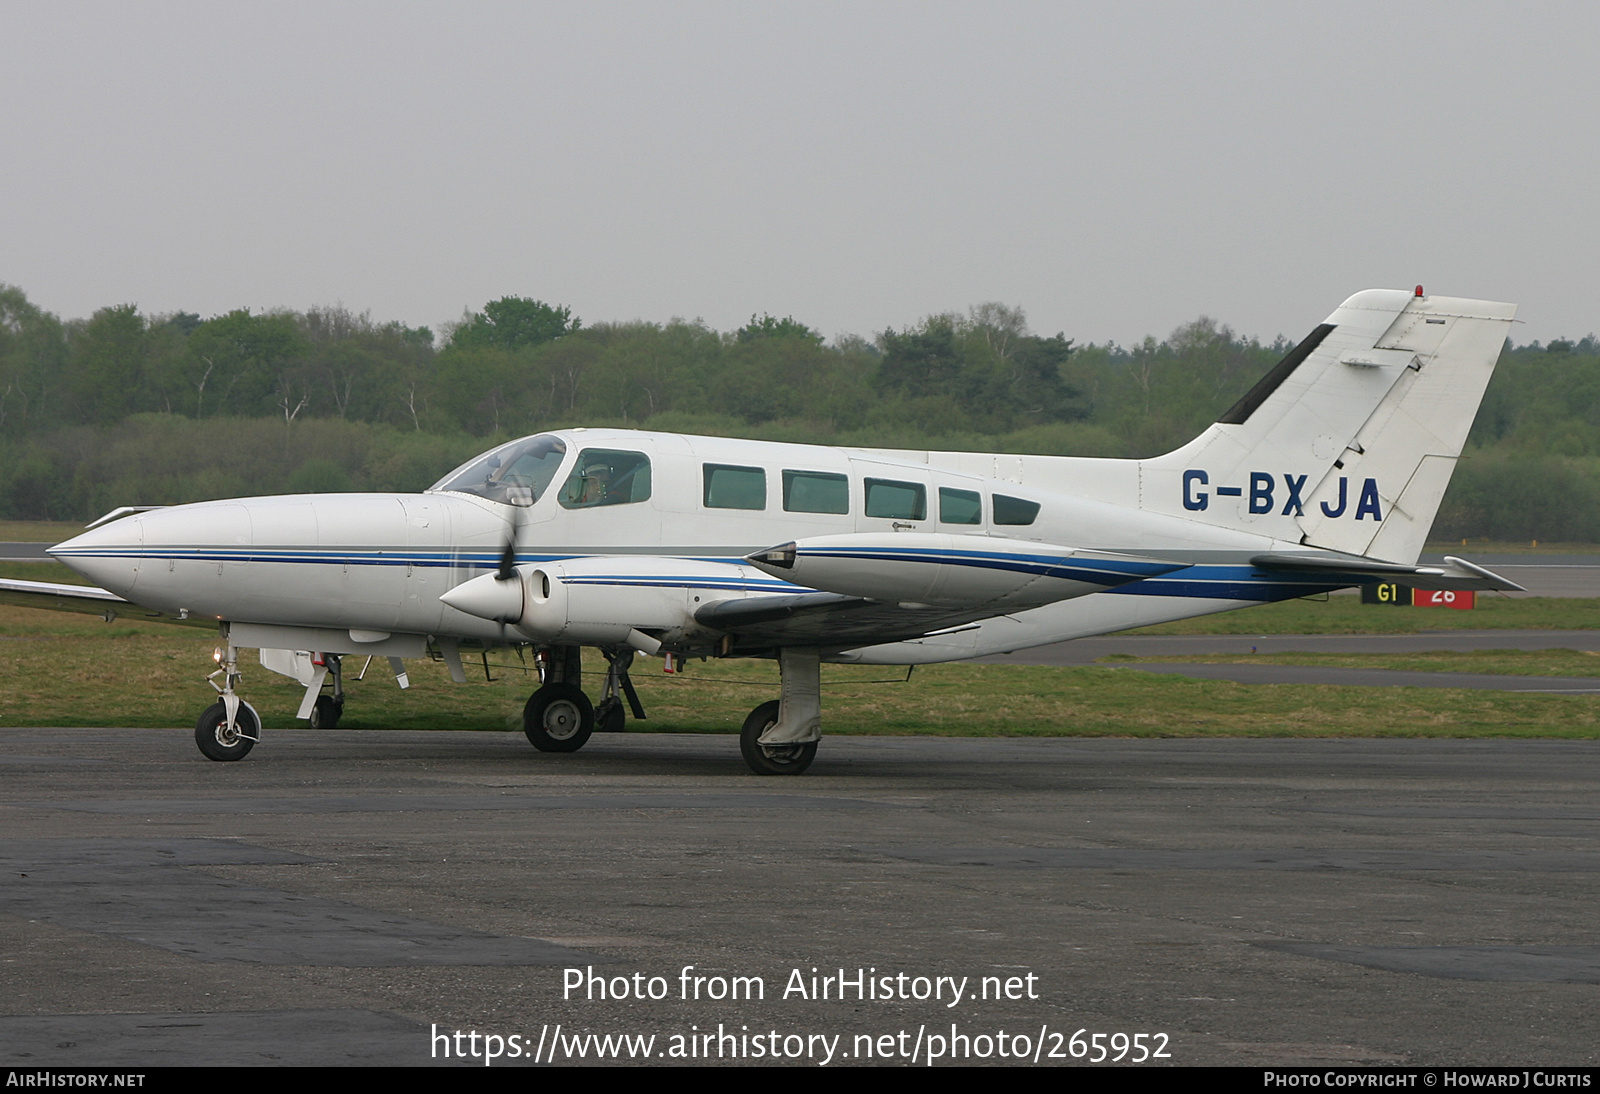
(379, 562)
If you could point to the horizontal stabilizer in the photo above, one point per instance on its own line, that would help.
(1454, 574)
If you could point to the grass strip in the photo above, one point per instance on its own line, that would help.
(72, 671)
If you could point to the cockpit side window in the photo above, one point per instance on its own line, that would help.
(606, 477)
(518, 473)
(1014, 510)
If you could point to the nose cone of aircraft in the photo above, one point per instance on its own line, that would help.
(487, 597)
(108, 555)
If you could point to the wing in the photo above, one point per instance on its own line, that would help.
(86, 599)
(893, 587)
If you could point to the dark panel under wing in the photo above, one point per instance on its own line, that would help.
(828, 620)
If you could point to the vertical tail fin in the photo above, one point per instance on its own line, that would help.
(1349, 442)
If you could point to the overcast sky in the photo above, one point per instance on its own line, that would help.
(1115, 169)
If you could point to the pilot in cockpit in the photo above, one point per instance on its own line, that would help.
(595, 487)
(604, 477)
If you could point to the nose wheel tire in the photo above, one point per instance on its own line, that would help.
(772, 759)
(223, 742)
(558, 718)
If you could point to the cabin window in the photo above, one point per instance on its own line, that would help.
(518, 473)
(896, 500)
(960, 506)
(815, 492)
(735, 487)
(604, 477)
(1014, 510)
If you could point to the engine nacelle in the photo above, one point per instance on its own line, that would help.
(609, 601)
(952, 571)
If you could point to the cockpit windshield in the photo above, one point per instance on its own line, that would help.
(513, 474)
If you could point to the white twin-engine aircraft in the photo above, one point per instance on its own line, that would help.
(1327, 474)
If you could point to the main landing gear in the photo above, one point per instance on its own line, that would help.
(559, 716)
(779, 737)
(324, 711)
(608, 715)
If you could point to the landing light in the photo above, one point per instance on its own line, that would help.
(781, 555)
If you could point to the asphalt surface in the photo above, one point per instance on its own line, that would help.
(1553, 579)
(343, 896)
(1541, 575)
(25, 552)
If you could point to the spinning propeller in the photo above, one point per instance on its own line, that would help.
(508, 558)
(507, 571)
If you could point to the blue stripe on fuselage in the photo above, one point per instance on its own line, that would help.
(1106, 572)
(1203, 581)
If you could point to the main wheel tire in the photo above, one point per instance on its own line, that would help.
(325, 713)
(610, 719)
(558, 718)
(772, 759)
(222, 742)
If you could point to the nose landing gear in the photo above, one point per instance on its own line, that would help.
(228, 729)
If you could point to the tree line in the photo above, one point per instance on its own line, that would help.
(125, 407)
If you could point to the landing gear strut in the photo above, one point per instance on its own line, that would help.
(608, 715)
(227, 730)
(326, 710)
(780, 737)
